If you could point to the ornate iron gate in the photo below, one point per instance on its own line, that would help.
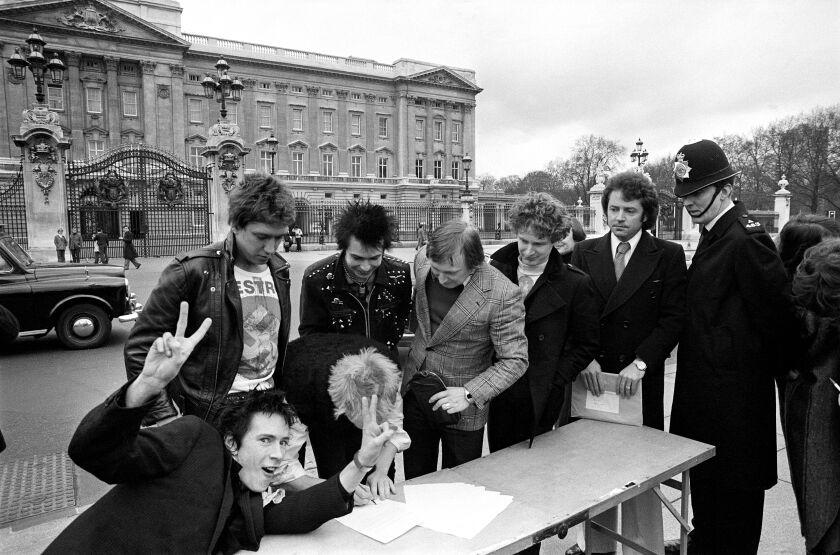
(13, 207)
(162, 199)
(669, 223)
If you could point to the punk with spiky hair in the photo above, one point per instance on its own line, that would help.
(369, 223)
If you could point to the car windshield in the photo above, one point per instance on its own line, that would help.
(16, 250)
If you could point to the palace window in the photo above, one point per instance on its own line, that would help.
(438, 169)
(297, 89)
(265, 161)
(356, 96)
(129, 99)
(328, 121)
(265, 115)
(356, 124)
(418, 168)
(94, 100)
(419, 128)
(233, 113)
(383, 127)
(194, 77)
(355, 166)
(382, 99)
(327, 93)
(297, 119)
(456, 132)
(55, 97)
(383, 166)
(383, 197)
(95, 147)
(456, 167)
(327, 163)
(297, 163)
(195, 110)
(196, 159)
(438, 130)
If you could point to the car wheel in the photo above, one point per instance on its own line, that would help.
(9, 326)
(83, 326)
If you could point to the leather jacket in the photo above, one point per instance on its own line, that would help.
(205, 279)
(327, 304)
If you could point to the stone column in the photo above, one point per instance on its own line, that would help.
(225, 152)
(312, 130)
(342, 133)
(43, 146)
(248, 113)
(430, 139)
(449, 154)
(401, 134)
(370, 134)
(283, 163)
(597, 224)
(468, 131)
(781, 204)
(178, 119)
(113, 114)
(75, 108)
(149, 102)
(690, 232)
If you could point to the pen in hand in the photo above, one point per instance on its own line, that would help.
(837, 387)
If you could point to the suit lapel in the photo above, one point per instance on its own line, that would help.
(465, 306)
(601, 267)
(545, 298)
(421, 302)
(641, 265)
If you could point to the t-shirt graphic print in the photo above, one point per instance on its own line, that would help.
(260, 330)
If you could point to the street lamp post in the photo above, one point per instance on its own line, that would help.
(467, 161)
(467, 199)
(639, 156)
(37, 64)
(222, 86)
(272, 149)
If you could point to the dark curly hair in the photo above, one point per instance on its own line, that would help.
(802, 232)
(260, 198)
(816, 284)
(369, 223)
(235, 417)
(634, 186)
(542, 215)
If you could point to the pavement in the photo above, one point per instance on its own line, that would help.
(780, 532)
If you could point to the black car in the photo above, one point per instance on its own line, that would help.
(78, 300)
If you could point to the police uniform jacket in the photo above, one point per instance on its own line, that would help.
(738, 314)
(328, 305)
(178, 490)
(561, 324)
(205, 279)
(642, 314)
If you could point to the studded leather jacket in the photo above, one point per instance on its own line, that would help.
(205, 279)
(328, 304)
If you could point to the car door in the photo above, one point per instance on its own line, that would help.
(16, 295)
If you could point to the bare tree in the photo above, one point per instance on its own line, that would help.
(485, 182)
(590, 155)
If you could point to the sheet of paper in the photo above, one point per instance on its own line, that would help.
(385, 521)
(459, 509)
(606, 402)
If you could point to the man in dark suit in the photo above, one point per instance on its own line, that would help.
(640, 287)
(734, 341)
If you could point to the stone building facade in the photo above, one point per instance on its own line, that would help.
(346, 126)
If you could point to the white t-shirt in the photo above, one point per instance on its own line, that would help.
(260, 330)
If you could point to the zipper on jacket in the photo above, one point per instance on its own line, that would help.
(365, 310)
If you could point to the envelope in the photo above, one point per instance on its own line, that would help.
(609, 406)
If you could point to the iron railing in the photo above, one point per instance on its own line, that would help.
(13, 207)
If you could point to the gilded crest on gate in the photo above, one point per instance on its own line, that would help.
(170, 190)
(111, 189)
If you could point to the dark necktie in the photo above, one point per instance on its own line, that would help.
(620, 263)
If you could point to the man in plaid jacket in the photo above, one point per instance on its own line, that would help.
(471, 333)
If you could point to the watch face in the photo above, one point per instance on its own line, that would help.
(640, 365)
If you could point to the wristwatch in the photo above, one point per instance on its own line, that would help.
(640, 364)
(468, 396)
(359, 465)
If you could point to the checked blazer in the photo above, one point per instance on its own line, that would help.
(480, 344)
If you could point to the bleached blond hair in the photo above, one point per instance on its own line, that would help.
(355, 376)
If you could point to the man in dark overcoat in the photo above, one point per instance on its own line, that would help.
(641, 308)
(731, 347)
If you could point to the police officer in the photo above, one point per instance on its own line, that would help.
(730, 350)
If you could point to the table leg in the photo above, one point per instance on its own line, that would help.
(684, 506)
(587, 536)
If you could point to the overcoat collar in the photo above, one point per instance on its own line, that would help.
(642, 263)
(719, 229)
(545, 296)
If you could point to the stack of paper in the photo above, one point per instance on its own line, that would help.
(459, 509)
(384, 521)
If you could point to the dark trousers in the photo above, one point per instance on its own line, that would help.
(75, 254)
(133, 261)
(511, 417)
(725, 521)
(459, 446)
(333, 443)
(297, 243)
(60, 254)
(101, 255)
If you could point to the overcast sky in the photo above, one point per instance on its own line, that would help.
(670, 72)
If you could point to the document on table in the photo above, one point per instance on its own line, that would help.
(385, 521)
(459, 509)
(609, 406)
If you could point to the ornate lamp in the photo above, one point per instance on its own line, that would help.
(639, 156)
(222, 86)
(37, 64)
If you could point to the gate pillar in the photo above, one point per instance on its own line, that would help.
(44, 155)
(225, 153)
(598, 222)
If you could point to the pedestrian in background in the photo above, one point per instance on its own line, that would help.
(422, 236)
(60, 244)
(812, 415)
(100, 252)
(298, 234)
(566, 245)
(129, 254)
(75, 245)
